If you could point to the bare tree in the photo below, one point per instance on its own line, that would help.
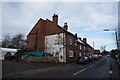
(18, 41)
(6, 41)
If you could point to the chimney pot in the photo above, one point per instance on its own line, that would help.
(85, 40)
(55, 19)
(79, 38)
(65, 26)
(76, 34)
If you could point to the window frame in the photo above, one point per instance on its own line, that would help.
(71, 53)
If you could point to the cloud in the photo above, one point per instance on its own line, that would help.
(98, 42)
(84, 18)
(88, 16)
(23, 16)
(85, 15)
(60, 1)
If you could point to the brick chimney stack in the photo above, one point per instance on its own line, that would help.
(76, 35)
(65, 26)
(55, 19)
(79, 38)
(85, 40)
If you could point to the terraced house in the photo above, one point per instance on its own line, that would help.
(48, 36)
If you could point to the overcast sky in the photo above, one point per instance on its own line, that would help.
(88, 19)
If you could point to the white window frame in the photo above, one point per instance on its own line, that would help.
(80, 47)
(80, 54)
(84, 48)
(71, 41)
(71, 53)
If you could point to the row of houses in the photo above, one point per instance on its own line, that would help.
(48, 36)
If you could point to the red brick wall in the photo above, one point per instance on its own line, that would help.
(44, 28)
(31, 39)
(70, 59)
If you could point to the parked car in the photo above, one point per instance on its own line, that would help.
(95, 57)
(83, 60)
(100, 56)
(108, 55)
(89, 58)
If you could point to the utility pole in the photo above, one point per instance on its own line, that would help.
(116, 36)
(115, 30)
(117, 40)
(93, 44)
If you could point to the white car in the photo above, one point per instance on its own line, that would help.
(100, 56)
(95, 56)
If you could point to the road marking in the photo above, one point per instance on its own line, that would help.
(91, 65)
(79, 71)
(110, 72)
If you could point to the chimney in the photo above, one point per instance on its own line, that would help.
(85, 40)
(65, 26)
(76, 35)
(55, 19)
(79, 38)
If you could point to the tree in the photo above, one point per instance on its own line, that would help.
(18, 41)
(103, 48)
(114, 52)
(6, 41)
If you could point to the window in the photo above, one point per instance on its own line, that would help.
(53, 53)
(70, 40)
(79, 54)
(84, 48)
(46, 42)
(75, 42)
(80, 47)
(70, 53)
(57, 54)
(71, 47)
(60, 49)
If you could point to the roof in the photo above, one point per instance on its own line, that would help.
(51, 22)
(66, 31)
(81, 42)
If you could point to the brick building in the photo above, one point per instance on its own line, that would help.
(48, 36)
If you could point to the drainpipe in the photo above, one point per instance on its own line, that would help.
(64, 53)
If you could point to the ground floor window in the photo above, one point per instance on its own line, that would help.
(79, 54)
(70, 53)
(57, 54)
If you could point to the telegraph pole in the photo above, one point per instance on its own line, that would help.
(93, 44)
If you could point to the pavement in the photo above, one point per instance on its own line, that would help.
(115, 69)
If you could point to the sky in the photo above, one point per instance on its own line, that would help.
(87, 19)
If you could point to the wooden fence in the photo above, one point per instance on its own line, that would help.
(41, 59)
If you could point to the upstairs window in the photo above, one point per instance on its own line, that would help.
(80, 47)
(75, 42)
(70, 40)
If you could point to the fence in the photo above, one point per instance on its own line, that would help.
(41, 59)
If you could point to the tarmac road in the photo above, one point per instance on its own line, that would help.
(100, 69)
(97, 69)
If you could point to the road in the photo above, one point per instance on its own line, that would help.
(97, 69)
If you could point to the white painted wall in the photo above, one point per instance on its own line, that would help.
(52, 46)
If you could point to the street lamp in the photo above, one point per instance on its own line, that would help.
(116, 36)
(118, 55)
